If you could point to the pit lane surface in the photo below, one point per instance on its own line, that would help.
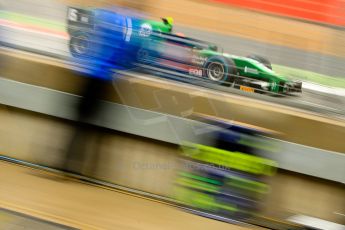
(56, 45)
(79, 205)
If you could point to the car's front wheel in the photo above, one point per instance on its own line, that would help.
(216, 71)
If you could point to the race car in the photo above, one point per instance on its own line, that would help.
(204, 60)
(252, 74)
(154, 45)
(82, 22)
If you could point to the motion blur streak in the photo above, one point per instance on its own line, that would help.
(223, 173)
(183, 114)
(328, 12)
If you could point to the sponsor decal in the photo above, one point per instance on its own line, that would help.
(199, 60)
(195, 72)
(250, 70)
(145, 30)
(129, 30)
(247, 89)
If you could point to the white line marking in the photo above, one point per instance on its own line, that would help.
(320, 106)
(315, 222)
(324, 89)
(338, 213)
(35, 31)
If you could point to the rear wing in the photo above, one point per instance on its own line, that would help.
(79, 19)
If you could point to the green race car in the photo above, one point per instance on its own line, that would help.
(203, 60)
(154, 45)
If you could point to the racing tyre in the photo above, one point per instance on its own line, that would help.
(262, 60)
(220, 70)
(79, 44)
(143, 55)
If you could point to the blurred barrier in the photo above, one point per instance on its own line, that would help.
(227, 176)
(145, 164)
(164, 127)
(183, 100)
(329, 12)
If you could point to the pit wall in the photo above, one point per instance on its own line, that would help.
(181, 100)
(147, 165)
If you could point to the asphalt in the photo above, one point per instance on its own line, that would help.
(17, 221)
(83, 206)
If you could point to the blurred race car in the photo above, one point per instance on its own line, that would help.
(155, 45)
(252, 73)
(204, 60)
(82, 22)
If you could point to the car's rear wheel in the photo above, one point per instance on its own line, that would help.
(143, 55)
(79, 44)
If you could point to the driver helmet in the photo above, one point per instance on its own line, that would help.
(169, 21)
